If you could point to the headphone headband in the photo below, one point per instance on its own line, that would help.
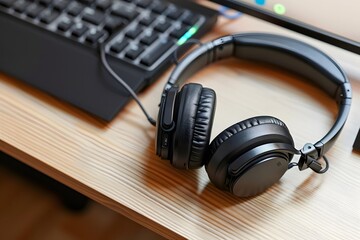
(286, 53)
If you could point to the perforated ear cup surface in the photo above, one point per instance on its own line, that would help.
(239, 139)
(194, 118)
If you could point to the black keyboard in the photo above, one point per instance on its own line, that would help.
(54, 45)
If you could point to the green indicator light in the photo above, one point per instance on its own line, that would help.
(193, 30)
(181, 41)
(279, 9)
(187, 35)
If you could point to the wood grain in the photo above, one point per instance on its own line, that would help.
(115, 163)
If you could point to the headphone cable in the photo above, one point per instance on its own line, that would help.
(123, 83)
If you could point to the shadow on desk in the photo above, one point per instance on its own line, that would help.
(30, 210)
(70, 198)
(159, 175)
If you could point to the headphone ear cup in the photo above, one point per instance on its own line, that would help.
(194, 119)
(237, 145)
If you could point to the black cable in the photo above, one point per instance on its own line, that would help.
(123, 83)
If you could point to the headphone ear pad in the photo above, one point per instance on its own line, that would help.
(202, 128)
(194, 118)
(240, 138)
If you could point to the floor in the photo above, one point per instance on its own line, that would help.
(29, 210)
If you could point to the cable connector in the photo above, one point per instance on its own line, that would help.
(309, 159)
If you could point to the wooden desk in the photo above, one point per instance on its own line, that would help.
(115, 163)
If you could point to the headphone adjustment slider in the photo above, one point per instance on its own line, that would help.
(223, 47)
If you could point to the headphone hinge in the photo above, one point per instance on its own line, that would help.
(308, 159)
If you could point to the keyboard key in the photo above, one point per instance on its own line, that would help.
(48, 16)
(151, 57)
(65, 25)
(113, 23)
(159, 7)
(134, 52)
(79, 30)
(179, 32)
(94, 36)
(34, 10)
(119, 46)
(134, 33)
(144, 3)
(191, 19)
(6, 3)
(75, 9)
(162, 27)
(125, 12)
(148, 40)
(45, 2)
(87, 2)
(21, 5)
(95, 17)
(103, 4)
(147, 20)
(174, 12)
(60, 5)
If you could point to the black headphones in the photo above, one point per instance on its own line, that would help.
(249, 156)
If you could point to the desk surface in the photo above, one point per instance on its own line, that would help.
(115, 163)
